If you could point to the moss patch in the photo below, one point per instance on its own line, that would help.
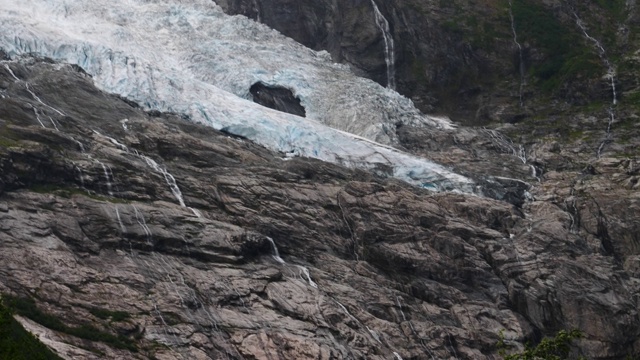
(109, 315)
(7, 137)
(18, 344)
(567, 57)
(27, 308)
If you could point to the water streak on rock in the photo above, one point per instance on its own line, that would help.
(520, 57)
(389, 56)
(610, 75)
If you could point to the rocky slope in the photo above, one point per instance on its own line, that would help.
(160, 235)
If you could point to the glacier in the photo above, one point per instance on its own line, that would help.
(189, 57)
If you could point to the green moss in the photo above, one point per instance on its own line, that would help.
(6, 142)
(18, 344)
(7, 137)
(567, 57)
(27, 308)
(595, 106)
(555, 348)
(632, 99)
(582, 64)
(418, 70)
(108, 314)
(616, 8)
(575, 135)
(454, 26)
(171, 319)
(481, 33)
(628, 124)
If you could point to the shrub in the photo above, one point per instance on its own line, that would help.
(16, 343)
(556, 348)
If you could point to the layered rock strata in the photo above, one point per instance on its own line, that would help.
(106, 209)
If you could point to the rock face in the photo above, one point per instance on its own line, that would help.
(479, 62)
(183, 242)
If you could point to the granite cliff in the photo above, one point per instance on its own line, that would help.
(128, 233)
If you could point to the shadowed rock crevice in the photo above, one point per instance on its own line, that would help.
(277, 98)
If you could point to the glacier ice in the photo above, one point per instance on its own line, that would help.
(189, 57)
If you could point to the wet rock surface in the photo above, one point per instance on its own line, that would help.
(91, 217)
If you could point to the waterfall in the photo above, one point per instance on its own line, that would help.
(156, 268)
(276, 254)
(169, 179)
(521, 62)
(611, 71)
(38, 117)
(610, 75)
(107, 177)
(572, 209)
(534, 172)
(80, 145)
(413, 330)
(80, 175)
(143, 224)
(389, 56)
(55, 126)
(159, 268)
(40, 100)
(11, 72)
(165, 326)
(374, 334)
(505, 144)
(195, 212)
(373, 338)
(305, 271)
(515, 249)
(36, 98)
(256, 7)
(404, 318)
(122, 227)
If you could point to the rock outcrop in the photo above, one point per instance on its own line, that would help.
(179, 241)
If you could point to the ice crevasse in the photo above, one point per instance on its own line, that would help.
(189, 57)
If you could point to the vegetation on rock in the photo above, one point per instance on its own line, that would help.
(555, 348)
(16, 343)
(27, 308)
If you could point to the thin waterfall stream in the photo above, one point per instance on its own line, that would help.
(169, 179)
(610, 75)
(389, 56)
(520, 57)
(37, 99)
(276, 253)
(156, 267)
